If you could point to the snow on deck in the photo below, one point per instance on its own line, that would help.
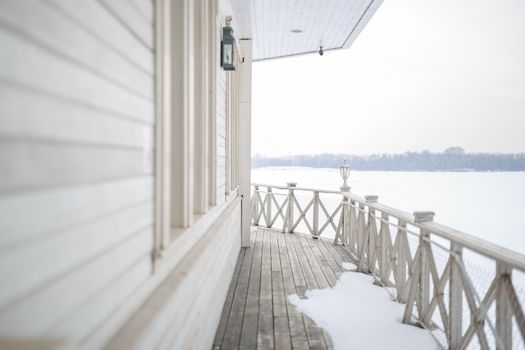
(360, 315)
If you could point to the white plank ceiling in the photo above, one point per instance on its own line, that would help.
(281, 28)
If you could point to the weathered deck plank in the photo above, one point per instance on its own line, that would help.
(320, 260)
(303, 275)
(334, 253)
(324, 276)
(257, 313)
(334, 261)
(295, 318)
(265, 336)
(251, 313)
(235, 320)
(219, 336)
(280, 311)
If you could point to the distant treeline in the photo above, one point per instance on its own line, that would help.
(452, 159)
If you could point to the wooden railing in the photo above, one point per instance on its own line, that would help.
(456, 285)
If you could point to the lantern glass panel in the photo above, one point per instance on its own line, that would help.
(345, 171)
(228, 54)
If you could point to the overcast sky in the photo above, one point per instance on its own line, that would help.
(424, 74)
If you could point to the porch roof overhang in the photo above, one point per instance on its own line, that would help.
(283, 28)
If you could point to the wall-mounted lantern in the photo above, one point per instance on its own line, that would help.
(227, 49)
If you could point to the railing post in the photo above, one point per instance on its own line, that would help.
(346, 221)
(455, 298)
(256, 197)
(269, 197)
(384, 256)
(315, 227)
(288, 225)
(352, 231)
(424, 276)
(401, 264)
(361, 232)
(503, 309)
(371, 234)
(341, 233)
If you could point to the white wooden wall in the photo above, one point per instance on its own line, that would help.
(77, 118)
(76, 184)
(184, 311)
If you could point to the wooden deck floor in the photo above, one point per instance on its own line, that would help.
(257, 314)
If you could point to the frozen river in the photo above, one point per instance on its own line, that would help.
(490, 205)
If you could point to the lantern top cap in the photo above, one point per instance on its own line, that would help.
(344, 168)
(227, 32)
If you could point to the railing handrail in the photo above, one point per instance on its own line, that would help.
(297, 188)
(479, 245)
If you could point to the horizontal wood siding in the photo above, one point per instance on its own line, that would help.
(184, 311)
(76, 169)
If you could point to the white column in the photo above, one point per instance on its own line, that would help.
(182, 113)
(163, 128)
(227, 134)
(213, 65)
(200, 142)
(245, 117)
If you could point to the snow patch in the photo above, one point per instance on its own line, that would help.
(349, 266)
(359, 315)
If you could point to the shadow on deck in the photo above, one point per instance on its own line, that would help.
(257, 313)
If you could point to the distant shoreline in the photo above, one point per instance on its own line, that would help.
(271, 167)
(453, 159)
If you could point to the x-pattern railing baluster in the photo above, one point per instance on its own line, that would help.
(302, 215)
(279, 212)
(480, 315)
(262, 205)
(517, 310)
(329, 218)
(438, 298)
(468, 289)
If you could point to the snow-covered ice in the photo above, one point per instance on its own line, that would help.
(359, 315)
(488, 205)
